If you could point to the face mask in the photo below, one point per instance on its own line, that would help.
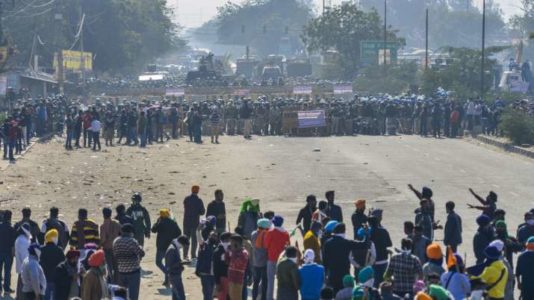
(320, 234)
(225, 245)
(54, 240)
(530, 222)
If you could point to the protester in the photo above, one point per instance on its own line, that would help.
(67, 280)
(425, 194)
(109, 231)
(167, 230)
(358, 218)
(453, 228)
(34, 230)
(94, 285)
(333, 210)
(382, 241)
(193, 210)
(435, 261)
(346, 292)
(217, 208)
(365, 254)
(32, 275)
(312, 242)
(304, 217)
(489, 205)
(336, 256)
(121, 216)
(526, 230)
(495, 273)
(404, 268)
(237, 259)
(140, 218)
(174, 265)
(204, 264)
(287, 275)
(484, 235)
(454, 280)
(84, 231)
(128, 254)
(311, 276)
(424, 219)
(9, 235)
(51, 256)
(249, 214)
(276, 239)
(220, 267)
(524, 271)
(22, 244)
(260, 257)
(53, 222)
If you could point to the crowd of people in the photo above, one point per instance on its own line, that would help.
(337, 260)
(145, 122)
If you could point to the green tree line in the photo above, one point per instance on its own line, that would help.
(123, 35)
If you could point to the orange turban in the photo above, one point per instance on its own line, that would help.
(422, 296)
(360, 204)
(97, 259)
(195, 189)
(433, 251)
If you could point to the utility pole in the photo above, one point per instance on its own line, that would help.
(482, 61)
(385, 33)
(426, 41)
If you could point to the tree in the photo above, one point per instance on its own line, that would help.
(343, 28)
(262, 24)
(399, 79)
(454, 23)
(518, 126)
(123, 35)
(463, 75)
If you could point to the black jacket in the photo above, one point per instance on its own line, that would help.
(51, 257)
(334, 212)
(358, 219)
(9, 235)
(167, 230)
(453, 230)
(218, 210)
(220, 268)
(481, 240)
(64, 276)
(193, 209)
(336, 259)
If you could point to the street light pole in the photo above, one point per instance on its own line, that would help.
(482, 61)
(426, 40)
(385, 30)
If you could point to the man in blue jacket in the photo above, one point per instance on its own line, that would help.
(311, 277)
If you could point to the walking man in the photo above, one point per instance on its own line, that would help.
(193, 210)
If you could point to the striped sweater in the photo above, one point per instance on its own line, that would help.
(84, 232)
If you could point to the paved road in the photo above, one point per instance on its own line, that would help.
(279, 171)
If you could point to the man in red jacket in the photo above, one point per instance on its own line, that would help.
(237, 260)
(276, 240)
(87, 135)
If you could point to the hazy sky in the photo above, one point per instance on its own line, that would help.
(192, 13)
